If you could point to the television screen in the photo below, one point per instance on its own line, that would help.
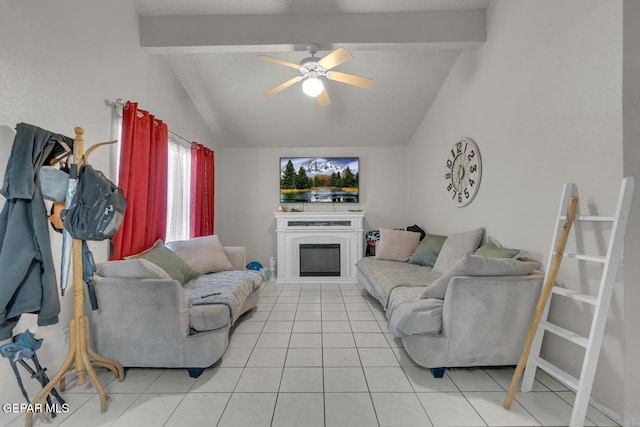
(319, 179)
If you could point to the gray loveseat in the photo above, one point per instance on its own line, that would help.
(473, 310)
(146, 318)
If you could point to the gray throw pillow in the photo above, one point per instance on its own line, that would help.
(455, 247)
(204, 254)
(427, 251)
(493, 248)
(166, 259)
(476, 265)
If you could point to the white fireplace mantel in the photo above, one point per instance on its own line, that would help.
(296, 228)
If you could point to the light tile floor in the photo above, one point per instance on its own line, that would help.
(317, 355)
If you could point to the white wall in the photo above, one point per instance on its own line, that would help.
(247, 192)
(59, 62)
(631, 109)
(543, 100)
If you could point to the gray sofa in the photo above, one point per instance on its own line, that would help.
(146, 320)
(451, 318)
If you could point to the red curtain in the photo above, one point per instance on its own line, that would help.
(202, 190)
(143, 179)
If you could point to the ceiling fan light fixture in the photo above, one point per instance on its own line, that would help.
(312, 86)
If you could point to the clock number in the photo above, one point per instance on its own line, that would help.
(459, 197)
(471, 155)
(454, 195)
(459, 147)
(471, 182)
(466, 193)
(449, 164)
(473, 168)
(449, 187)
(447, 175)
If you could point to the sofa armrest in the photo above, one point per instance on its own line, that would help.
(490, 315)
(131, 269)
(238, 256)
(139, 310)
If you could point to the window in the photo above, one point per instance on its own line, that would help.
(178, 187)
(178, 190)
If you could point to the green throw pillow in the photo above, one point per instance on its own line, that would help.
(427, 251)
(166, 259)
(495, 250)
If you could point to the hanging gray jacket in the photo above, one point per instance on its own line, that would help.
(27, 274)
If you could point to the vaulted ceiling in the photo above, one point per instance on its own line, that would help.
(406, 46)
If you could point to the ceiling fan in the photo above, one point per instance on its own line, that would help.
(314, 70)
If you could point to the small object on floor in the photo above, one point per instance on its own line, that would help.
(254, 265)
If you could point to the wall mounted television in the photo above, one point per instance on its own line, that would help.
(319, 179)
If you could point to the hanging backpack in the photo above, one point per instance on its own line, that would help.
(97, 209)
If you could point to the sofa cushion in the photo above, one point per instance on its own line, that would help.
(493, 248)
(131, 269)
(204, 254)
(427, 251)
(455, 247)
(231, 288)
(410, 315)
(396, 245)
(166, 259)
(208, 317)
(476, 265)
(384, 276)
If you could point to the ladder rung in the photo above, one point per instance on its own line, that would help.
(589, 299)
(557, 373)
(583, 257)
(565, 333)
(591, 218)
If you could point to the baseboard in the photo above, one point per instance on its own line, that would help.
(609, 412)
(327, 279)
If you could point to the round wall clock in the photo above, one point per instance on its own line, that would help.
(463, 171)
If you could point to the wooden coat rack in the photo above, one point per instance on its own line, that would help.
(81, 356)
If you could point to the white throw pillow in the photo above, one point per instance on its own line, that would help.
(396, 245)
(476, 265)
(204, 254)
(455, 247)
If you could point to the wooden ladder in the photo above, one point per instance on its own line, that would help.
(592, 344)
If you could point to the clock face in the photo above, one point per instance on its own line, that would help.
(463, 171)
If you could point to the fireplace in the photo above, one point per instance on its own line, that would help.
(318, 246)
(319, 259)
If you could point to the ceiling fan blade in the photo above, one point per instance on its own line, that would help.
(350, 79)
(279, 61)
(283, 86)
(323, 98)
(335, 58)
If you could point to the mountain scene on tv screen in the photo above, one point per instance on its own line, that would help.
(319, 180)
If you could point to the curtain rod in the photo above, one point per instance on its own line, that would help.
(183, 140)
(119, 102)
